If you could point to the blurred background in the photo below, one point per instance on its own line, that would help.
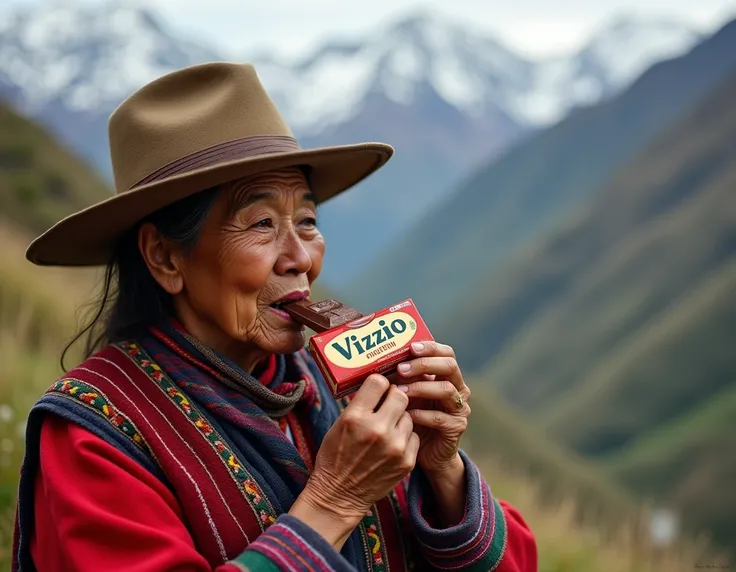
(561, 207)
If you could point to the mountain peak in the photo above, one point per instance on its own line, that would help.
(625, 45)
(88, 56)
(420, 19)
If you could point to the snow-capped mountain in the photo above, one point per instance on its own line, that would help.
(88, 57)
(470, 71)
(446, 96)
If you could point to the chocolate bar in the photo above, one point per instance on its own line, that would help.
(348, 346)
(321, 316)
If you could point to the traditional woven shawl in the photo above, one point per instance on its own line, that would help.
(190, 421)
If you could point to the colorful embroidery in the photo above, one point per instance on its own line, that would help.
(253, 494)
(373, 536)
(93, 399)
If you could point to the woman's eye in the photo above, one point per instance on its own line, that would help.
(265, 223)
(310, 222)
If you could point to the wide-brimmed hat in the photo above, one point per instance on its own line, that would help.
(185, 132)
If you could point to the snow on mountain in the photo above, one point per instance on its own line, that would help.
(470, 71)
(89, 57)
(627, 46)
(448, 97)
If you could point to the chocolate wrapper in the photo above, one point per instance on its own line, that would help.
(376, 343)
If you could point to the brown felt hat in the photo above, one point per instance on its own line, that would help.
(187, 131)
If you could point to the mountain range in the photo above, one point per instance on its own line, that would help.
(586, 277)
(625, 353)
(612, 330)
(447, 97)
(518, 196)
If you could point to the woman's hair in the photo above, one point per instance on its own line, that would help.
(131, 297)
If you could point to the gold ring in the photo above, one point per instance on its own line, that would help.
(459, 401)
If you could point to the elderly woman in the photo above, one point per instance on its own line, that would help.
(198, 434)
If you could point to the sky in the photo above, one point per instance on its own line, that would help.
(536, 28)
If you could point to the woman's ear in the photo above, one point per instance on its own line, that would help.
(162, 258)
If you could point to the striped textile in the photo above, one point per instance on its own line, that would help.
(236, 473)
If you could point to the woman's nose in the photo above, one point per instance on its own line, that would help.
(294, 256)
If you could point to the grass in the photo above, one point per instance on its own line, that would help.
(569, 543)
(683, 461)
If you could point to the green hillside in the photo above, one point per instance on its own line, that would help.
(498, 432)
(669, 366)
(523, 193)
(40, 181)
(621, 322)
(654, 234)
(689, 464)
(662, 223)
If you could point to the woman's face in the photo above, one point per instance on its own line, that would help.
(258, 247)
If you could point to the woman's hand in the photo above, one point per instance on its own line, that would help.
(440, 411)
(364, 455)
(438, 404)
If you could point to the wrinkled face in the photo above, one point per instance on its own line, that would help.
(258, 246)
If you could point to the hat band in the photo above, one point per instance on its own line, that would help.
(222, 153)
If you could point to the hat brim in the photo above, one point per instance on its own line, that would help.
(90, 236)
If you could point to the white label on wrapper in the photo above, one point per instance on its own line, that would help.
(359, 347)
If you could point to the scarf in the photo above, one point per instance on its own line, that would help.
(247, 408)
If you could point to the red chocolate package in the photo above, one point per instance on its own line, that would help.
(376, 343)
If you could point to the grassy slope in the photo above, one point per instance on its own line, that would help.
(521, 194)
(697, 447)
(624, 319)
(659, 227)
(681, 359)
(496, 432)
(40, 182)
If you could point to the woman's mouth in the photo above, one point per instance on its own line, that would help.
(276, 309)
(278, 306)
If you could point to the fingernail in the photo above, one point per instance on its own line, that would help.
(404, 388)
(417, 346)
(404, 367)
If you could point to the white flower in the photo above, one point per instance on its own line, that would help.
(6, 412)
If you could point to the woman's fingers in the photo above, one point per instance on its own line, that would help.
(440, 367)
(370, 393)
(432, 349)
(393, 406)
(395, 378)
(438, 360)
(439, 420)
(442, 391)
(412, 448)
(405, 426)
